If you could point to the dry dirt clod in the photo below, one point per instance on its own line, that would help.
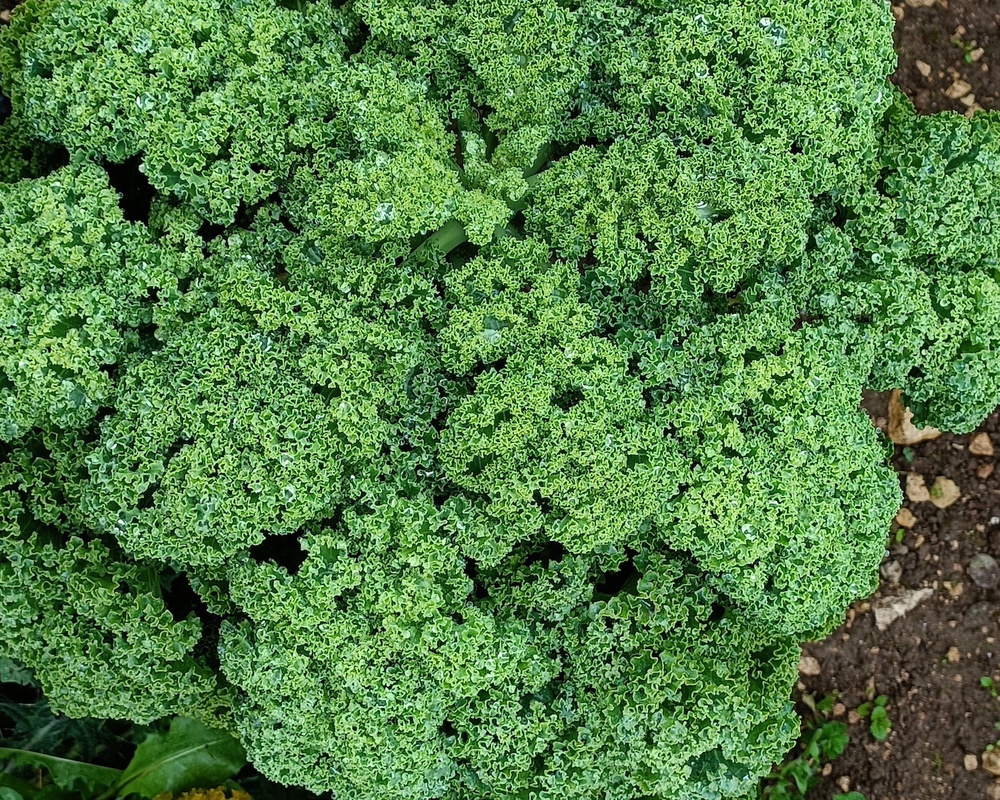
(809, 665)
(853, 717)
(916, 488)
(991, 762)
(844, 782)
(984, 571)
(889, 609)
(954, 656)
(944, 492)
(981, 445)
(901, 427)
(924, 68)
(971, 762)
(839, 710)
(905, 518)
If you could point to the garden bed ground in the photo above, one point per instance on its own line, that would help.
(930, 662)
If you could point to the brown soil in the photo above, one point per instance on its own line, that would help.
(945, 47)
(931, 661)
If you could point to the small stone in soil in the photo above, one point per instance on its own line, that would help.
(985, 471)
(839, 710)
(984, 571)
(971, 763)
(809, 666)
(981, 445)
(916, 488)
(954, 657)
(957, 89)
(905, 518)
(844, 783)
(924, 68)
(991, 762)
(944, 492)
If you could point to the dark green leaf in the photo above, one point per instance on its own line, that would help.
(188, 755)
(14, 672)
(65, 774)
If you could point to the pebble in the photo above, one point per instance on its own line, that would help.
(844, 782)
(809, 666)
(839, 710)
(971, 763)
(905, 518)
(954, 656)
(924, 68)
(916, 488)
(991, 762)
(981, 445)
(957, 89)
(985, 471)
(944, 492)
(984, 571)
(853, 717)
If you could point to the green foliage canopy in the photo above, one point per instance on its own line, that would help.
(473, 412)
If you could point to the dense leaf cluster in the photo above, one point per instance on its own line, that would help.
(460, 399)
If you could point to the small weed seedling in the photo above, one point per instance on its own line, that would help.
(990, 686)
(967, 49)
(822, 741)
(875, 712)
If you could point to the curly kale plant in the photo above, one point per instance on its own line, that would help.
(460, 400)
